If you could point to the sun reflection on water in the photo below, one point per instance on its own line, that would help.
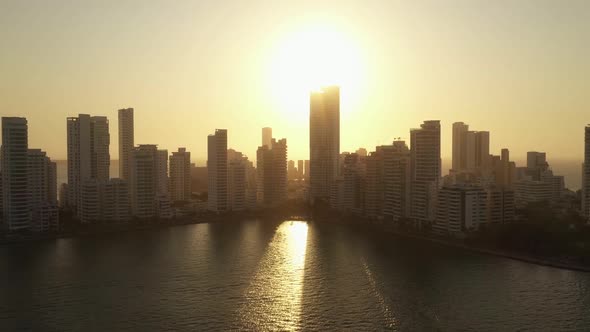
(273, 298)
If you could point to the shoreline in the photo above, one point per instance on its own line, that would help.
(211, 219)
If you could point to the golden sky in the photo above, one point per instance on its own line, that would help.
(520, 69)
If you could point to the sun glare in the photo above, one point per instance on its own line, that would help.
(310, 58)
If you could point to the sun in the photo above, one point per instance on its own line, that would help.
(309, 58)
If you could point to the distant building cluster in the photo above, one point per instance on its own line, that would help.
(396, 184)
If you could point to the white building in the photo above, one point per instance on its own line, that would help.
(460, 209)
(324, 141)
(15, 197)
(217, 171)
(88, 153)
(105, 201)
(180, 175)
(126, 141)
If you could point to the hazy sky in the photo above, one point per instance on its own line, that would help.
(520, 69)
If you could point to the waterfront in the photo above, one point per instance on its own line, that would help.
(290, 275)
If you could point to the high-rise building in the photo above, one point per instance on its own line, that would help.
(397, 180)
(237, 180)
(126, 141)
(272, 173)
(482, 150)
(460, 209)
(324, 141)
(471, 149)
(88, 153)
(162, 172)
(144, 181)
(374, 182)
(291, 170)
(105, 201)
(267, 137)
(42, 189)
(353, 186)
(15, 198)
(586, 175)
(459, 130)
(180, 175)
(306, 170)
(217, 171)
(425, 170)
(300, 169)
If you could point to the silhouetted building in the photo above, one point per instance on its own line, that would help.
(144, 182)
(272, 173)
(425, 170)
(397, 181)
(42, 188)
(88, 153)
(267, 137)
(460, 209)
(586, 175)
(162, 172)
(471, 149)
(180, 175)
(306, 170)
(291, 170)
(217, 171)
(324, 141)
(237, 180)
(126, 141)
(15, 200)
(300, 169)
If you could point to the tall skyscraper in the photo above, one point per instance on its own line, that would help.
(459, 130)
(126, 141)
(324, 141)
(291, 170)
(272, 173)
(586, 175)
(42, 189)
(425, 170)
(217, 171)
(180, 175)
(397, 180)
(471, 149)
(88, 153)
(300, 169)
(144, 184)
(162, 172)
(15, 198)
(237, 180)
(266, 137)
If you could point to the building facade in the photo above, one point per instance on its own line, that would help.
(324, 141)
(217, 171)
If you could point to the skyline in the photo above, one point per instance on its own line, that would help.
(483, 64)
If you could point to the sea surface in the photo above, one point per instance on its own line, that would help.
(289, 275)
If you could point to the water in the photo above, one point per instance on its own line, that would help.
(278, 276)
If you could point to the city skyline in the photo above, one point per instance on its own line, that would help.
(486, 72)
